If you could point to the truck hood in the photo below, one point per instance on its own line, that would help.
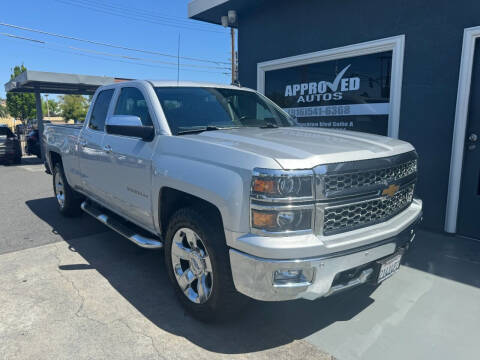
(305, 148)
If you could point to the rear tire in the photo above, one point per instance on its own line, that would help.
(196, 256)
(68, 200)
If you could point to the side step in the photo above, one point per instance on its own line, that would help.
(117, 224)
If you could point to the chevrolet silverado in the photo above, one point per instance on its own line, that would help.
(244, 202)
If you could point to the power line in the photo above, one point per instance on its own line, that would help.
(107, 44)
(80, 50)
(110, 6)
(142, 14)
(22, 38)
(145, 59)
(139, 14)
(131, 16)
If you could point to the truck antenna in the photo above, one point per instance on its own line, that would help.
(178, 60)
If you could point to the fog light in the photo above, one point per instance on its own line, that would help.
(292, 277)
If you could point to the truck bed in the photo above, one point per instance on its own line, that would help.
(62, 139)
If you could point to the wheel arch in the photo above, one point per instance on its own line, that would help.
(170, 200)
(54, 158)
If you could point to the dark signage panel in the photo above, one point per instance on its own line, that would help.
(351, 93)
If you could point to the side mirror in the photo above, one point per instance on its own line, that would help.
(128, 125)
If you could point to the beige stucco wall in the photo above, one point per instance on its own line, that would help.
(9, 122)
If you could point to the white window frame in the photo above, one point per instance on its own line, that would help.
(396, 44)
(460, 127)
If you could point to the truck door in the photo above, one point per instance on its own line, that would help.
(91, 156)
(127, 174)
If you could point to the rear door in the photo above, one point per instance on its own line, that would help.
(128, 171)
(92, 156)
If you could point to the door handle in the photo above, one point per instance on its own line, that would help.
(107, 149)
(472, 139)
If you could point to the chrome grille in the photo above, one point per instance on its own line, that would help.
(343, 182)
(351, 216)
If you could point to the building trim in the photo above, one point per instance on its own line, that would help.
(460, 127)
(396, 44)
(196, 7)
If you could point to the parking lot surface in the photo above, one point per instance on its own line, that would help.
(72, 289)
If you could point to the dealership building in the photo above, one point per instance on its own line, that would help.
(406, 69)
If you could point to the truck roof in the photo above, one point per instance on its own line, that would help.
(173, 83)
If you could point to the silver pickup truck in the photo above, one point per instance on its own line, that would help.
(244, 202)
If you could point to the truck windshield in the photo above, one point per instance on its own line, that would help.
(204, 108)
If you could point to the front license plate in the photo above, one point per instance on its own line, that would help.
(388, 267)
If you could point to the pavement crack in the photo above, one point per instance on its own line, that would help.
(78, 312)
(144, 335)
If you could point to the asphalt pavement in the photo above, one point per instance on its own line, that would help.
(73, 289)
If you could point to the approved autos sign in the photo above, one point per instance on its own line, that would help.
(351, 93)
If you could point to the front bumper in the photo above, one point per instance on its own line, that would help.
(254, 276)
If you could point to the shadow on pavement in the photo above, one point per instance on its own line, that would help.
(29, 160)
(448, 256)
(140, 277)
(67, 228)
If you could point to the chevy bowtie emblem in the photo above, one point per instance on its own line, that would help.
(391, 190)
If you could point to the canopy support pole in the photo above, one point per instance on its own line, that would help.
(38, 101)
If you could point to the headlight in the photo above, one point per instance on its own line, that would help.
(281, 219)
(279, 184)
(275, 201)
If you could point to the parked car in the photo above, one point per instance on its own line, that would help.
(32, 146)
(244, 202)
(10, 150)
(19, 129)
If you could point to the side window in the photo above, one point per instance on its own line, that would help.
(132, 102)
(100, 109)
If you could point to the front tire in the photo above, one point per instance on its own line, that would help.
(198, 265)
(67, 200)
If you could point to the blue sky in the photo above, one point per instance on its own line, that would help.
(145, 24)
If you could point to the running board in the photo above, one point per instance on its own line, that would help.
(115, 223)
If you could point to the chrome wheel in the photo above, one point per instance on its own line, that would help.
(59, 189)
(191, 265)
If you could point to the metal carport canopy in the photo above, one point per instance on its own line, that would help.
(57, 83)
(39, 82)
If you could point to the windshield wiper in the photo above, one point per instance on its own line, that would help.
(205, 128)
(269, 126)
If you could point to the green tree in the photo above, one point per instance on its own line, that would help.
(53, 107)
(3, 110)
(21, 105)
(74, 107)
